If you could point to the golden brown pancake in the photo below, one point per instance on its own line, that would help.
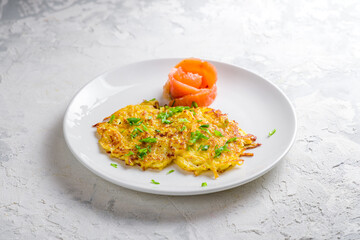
(197, 139)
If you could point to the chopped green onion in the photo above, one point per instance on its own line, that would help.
(150, 100)
(218, 133)
(204, 184)
(142, 152)
(205, 148)
(133, 121)
(197, 135)
(183, 120)
(231, 140)
(111, 118)
(138, 129)
(199, 120)
(130, 153)
(194, 104)
(183, 128)
(204, 128)
(193, 111)
(157, 130)
(171, 171)
(220, 150)
(144, 127)
(169, 113)
(148, 140)
(135, 132)
(114, 165)
(150, 117)
(272, 132)
(154, 182)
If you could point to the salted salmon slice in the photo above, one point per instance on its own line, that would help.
(191, 80)
(188, 78)
(202, 68)
(179, 89)
(203, 98)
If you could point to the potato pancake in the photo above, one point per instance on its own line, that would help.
(197, 139)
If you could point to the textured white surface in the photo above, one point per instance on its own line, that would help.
(50, 49)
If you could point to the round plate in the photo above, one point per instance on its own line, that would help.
(255, 103)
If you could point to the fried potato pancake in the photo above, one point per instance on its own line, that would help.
(197, 139)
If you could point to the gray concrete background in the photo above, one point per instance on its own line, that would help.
(50, 49)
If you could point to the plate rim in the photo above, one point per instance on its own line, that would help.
(179, 193)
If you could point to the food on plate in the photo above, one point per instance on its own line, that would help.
(191, 80)
(272, 132)
(197, 139)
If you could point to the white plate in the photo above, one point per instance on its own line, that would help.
(255, 103)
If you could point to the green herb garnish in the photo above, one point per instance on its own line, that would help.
(204, 184)
(220, 150)
(148, 140)
(169, 113)
(183, 120)
(144, 127)
(197, 135)
(142, 152)
(218, 133)
(199, 120)
(204, 127)
(231, 140)
(171, 171)
(183, 128)
(150, 117)
(157, 130)
(194, 104)
(135, 132)
(154, 182)
(111, 118)
(205, 148)
(133, 121)
(163, 116)
(150, 100)
(130, 153)
(114, 165)
(272, 132)
(138, 129)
